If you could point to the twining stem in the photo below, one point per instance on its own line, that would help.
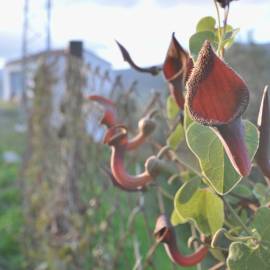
(196, 246)
(185, 164)
(219, 27)
(163, 151)
(166, 194)
(222, 30)
(238, 238)
(245, 228)
(226, 15)
(175, 157)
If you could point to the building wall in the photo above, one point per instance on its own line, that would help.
(96, 68)
(7, 76)
(98, 81)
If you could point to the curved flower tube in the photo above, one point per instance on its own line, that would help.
(154, 70)
(116, 137)
(263, 122)
(109, 118)
(176, 69)
(146, 126)
(165, 234)
(217, 97)
(115, 183)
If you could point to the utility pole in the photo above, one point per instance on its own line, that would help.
(25, 52)
(49, 8)
(34, 39)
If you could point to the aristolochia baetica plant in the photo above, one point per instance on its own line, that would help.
(205, 109)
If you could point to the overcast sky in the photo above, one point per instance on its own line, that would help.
(143, 26)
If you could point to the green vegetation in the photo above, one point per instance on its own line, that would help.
(11, 216)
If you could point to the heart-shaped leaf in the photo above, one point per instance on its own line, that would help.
(197, 40)
(203, 207)
(176, 219)
(206, 24)
(176, 137)
(215, 165)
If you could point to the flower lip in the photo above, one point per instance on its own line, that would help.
(164, 233)
(175, 61)
(162, 230)
(116, 135)
(109, 116)
(153, 70)
(102, 100)
(216, 95)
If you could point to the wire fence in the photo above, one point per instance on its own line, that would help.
(75, 217)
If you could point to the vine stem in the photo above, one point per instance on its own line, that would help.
(245, 228)
(175, 157)
(219, 27)
(226, 15)
(196, 246)
(185, 164)
(163, 151)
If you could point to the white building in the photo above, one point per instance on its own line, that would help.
(98, 77)
(97, 69)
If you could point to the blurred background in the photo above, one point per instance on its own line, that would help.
(58, 207)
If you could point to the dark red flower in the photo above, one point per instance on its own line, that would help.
(164, 233)
(217, 97)
(262, 156)
(116, 137)
(176, 69)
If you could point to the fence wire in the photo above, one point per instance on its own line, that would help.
(75, 217)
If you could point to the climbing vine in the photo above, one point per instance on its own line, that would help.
(212, 149)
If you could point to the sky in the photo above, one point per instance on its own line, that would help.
(144, 27)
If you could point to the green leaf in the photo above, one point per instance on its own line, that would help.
(172, 108)
(176, 219)
(176, 137)
(220, 240)
(206, 24)
(196, 41)
(203, 207)
(188, 190)
(243, 190)
(261, 223)
(262, 193)
(217, 254)
(253, 255)
(229, 28)
(230, 38)
(214, 163)
(242, 257)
